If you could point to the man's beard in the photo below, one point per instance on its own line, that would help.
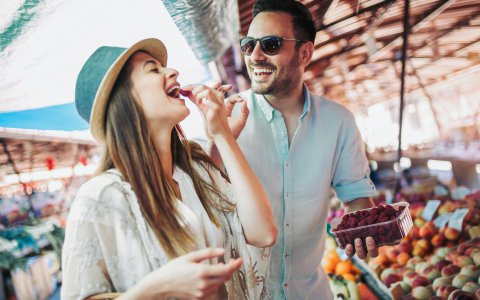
(283, 83)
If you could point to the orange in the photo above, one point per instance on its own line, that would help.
(344, 267)
(350, 277)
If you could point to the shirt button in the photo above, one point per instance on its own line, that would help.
(285, 284)
(286, 255)
(288, 224)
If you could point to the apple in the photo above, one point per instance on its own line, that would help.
(422, 292)
(460, 295)
(420, 281)
(427, 230)
(441, 281)
(431, 273)
(463, 260)
(442, 251)
(405, 247)
(408, 279)
(392, 278)
(438, 240)
(450, 270)
(445, 290)
(476, 258)
(421, 266)
(471, 287)
(419, 251)
(385, 273)
(433, 259)
(460, 280)
(452, 234)
(403, 258)
(471, 271)
(439, 265)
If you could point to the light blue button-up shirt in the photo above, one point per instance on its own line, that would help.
(326, 151)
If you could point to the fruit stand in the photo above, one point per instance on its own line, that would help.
(438, 258)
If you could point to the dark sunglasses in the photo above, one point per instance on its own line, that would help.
(270, 44)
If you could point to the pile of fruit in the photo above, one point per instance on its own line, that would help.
(448, 273)
(332, 264)
(343, 276)
(430, 262)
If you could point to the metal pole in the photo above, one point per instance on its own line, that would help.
(406, 29)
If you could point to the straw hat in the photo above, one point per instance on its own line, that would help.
(98, 75)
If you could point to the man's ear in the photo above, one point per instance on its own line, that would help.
(307, 53)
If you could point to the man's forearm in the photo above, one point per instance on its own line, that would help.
(358, 204)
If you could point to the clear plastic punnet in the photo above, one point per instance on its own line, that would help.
(387, 227)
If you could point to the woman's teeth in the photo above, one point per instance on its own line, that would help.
(174, 92)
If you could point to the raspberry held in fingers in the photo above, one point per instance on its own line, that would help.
(185, 93)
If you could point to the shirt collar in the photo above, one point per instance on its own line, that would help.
(265, 107)
(268, 111)
(306, 105)
(177, 174)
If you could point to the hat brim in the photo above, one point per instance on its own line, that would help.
(152, 46)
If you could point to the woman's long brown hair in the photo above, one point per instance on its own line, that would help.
(130, 149)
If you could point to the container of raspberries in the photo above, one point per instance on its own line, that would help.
(387, 224)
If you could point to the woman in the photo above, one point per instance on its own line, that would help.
(159, 207)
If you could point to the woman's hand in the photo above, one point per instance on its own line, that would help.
(210, 102)
(186, 277)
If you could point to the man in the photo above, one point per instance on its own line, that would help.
(299, 145)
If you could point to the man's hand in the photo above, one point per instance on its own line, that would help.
(236, 124)
(362, 251)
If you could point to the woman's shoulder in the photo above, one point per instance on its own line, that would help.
(96, 185)
(107, 187)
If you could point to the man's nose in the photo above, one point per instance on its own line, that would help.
(257, 53)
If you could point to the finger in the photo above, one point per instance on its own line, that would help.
(211, 104)
(221, 270)
(210, 94)
(361, 253)
(195, 89)
(189, 87)
(244, 111)
(225, 88)
(199, 255)
(216, 85)
(371, 247)
(230, 104)
(349, 250)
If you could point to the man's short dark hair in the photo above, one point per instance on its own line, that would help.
(302, 20)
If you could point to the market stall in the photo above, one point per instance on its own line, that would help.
(408, 70)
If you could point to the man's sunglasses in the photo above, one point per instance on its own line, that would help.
(270, 44)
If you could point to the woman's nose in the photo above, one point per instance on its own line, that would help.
(171, 73)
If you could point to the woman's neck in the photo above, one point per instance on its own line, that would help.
(162, 139)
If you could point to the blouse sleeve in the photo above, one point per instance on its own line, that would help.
(256, 260)
(92, 257)
(83, 262)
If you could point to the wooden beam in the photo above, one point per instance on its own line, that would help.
(419, 23)
(322, 10)
(372, 8)
(456, 26)
(429, 98)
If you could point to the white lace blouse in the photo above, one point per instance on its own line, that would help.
(109, 245)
